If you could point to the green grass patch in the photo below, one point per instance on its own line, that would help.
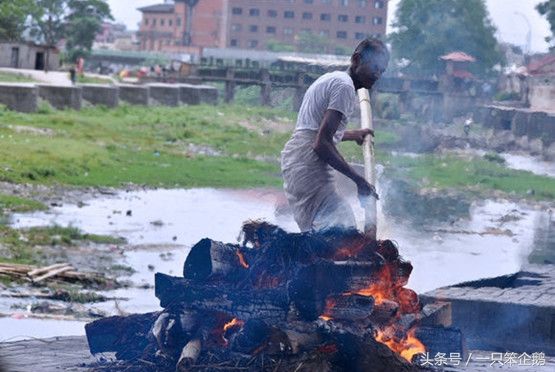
(476, 175)
(6, 77)
(9, 203)
(18, 244)
(84, 79)
(146, 145)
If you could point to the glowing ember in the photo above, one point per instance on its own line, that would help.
(233, 323)
(407, 347)
(242, 260)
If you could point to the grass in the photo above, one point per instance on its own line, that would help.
(144, 145)
(9, 203)
(84, 79)
(6, 77)
(19, 244)
(479, 176)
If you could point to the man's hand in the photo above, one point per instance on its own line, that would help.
(357, 135)
(366, 189)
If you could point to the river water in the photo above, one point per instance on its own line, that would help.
(161, 226)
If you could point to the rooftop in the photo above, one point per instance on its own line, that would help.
(157, 8)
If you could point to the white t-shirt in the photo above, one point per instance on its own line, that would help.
(334, 90)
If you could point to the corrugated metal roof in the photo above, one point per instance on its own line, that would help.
(536, 66)
(458, 56)
(157, 8)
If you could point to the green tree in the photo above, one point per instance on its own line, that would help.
(83, 22)
(13, 17)
(547, 9)
(428, 29)
(77, 21)
(48, 24)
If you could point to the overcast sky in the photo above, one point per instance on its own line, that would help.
(511, 27)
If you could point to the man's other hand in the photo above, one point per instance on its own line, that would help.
(361, 135)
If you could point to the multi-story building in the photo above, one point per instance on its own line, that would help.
(188, 25)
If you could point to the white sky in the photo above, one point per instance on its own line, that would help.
(511, 27)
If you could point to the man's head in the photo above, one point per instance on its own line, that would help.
(368, 62)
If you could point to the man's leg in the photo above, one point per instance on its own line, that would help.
(334, 212)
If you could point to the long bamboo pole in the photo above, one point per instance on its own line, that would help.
(368, 203)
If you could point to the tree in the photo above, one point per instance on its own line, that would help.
(428, 29)
(547, 9)
(13, 17)
(84, 21)
(78, 21)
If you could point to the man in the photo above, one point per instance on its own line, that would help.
(309, 157)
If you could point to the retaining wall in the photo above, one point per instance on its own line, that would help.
(23, 96)
(19, 97)
(99, 94)
(61, 97)
(134, 94)
(164, 94)
(521, 122)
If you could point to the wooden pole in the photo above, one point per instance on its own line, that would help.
(368, 203)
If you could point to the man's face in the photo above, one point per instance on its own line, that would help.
(368, 72)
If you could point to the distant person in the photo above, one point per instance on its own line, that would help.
(310, 156)
(72, 75)
(80, 65)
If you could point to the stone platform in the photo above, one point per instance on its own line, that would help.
(510, 313)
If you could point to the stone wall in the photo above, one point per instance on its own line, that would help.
(61, 97)
(542, 92)
(23, 97)
(99, 94)
(19, 97)
(521, 122)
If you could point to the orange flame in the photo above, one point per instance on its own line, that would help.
(242, 260)
(381, 290)
(233, 323)
(407, 347)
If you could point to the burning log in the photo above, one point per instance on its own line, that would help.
(126, 335)
(355, 308)
(271, 304)
(209, 259)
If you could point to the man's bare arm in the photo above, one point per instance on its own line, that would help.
(357, 135)
(326, 150)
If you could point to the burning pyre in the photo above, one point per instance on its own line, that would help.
(279, 301)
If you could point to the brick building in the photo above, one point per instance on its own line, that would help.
(252, 24)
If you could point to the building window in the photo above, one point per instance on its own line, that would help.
(307, 15)
(341, 34)
(153, 22)
(288, 31)
(234, 42)
(360, 35)
(270, 30)
(252, 43)
(378, 4)
(344, 2)
(253, 28)
(289, 14)
(162, 22)
(362, 3)
(343, 18)
(178, 22)
(324, 33)
(146, 22)
(236, 27)
(170, 22)
(325, 17)
(254, 12)
(237, 11)
(360, 19)
(272, 13)
(377, 20)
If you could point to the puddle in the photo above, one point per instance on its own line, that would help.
(444, 257)
(21, 329)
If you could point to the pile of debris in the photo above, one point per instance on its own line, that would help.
(329, 301)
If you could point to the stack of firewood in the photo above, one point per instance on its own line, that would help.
(36, 275)
(333, 300)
